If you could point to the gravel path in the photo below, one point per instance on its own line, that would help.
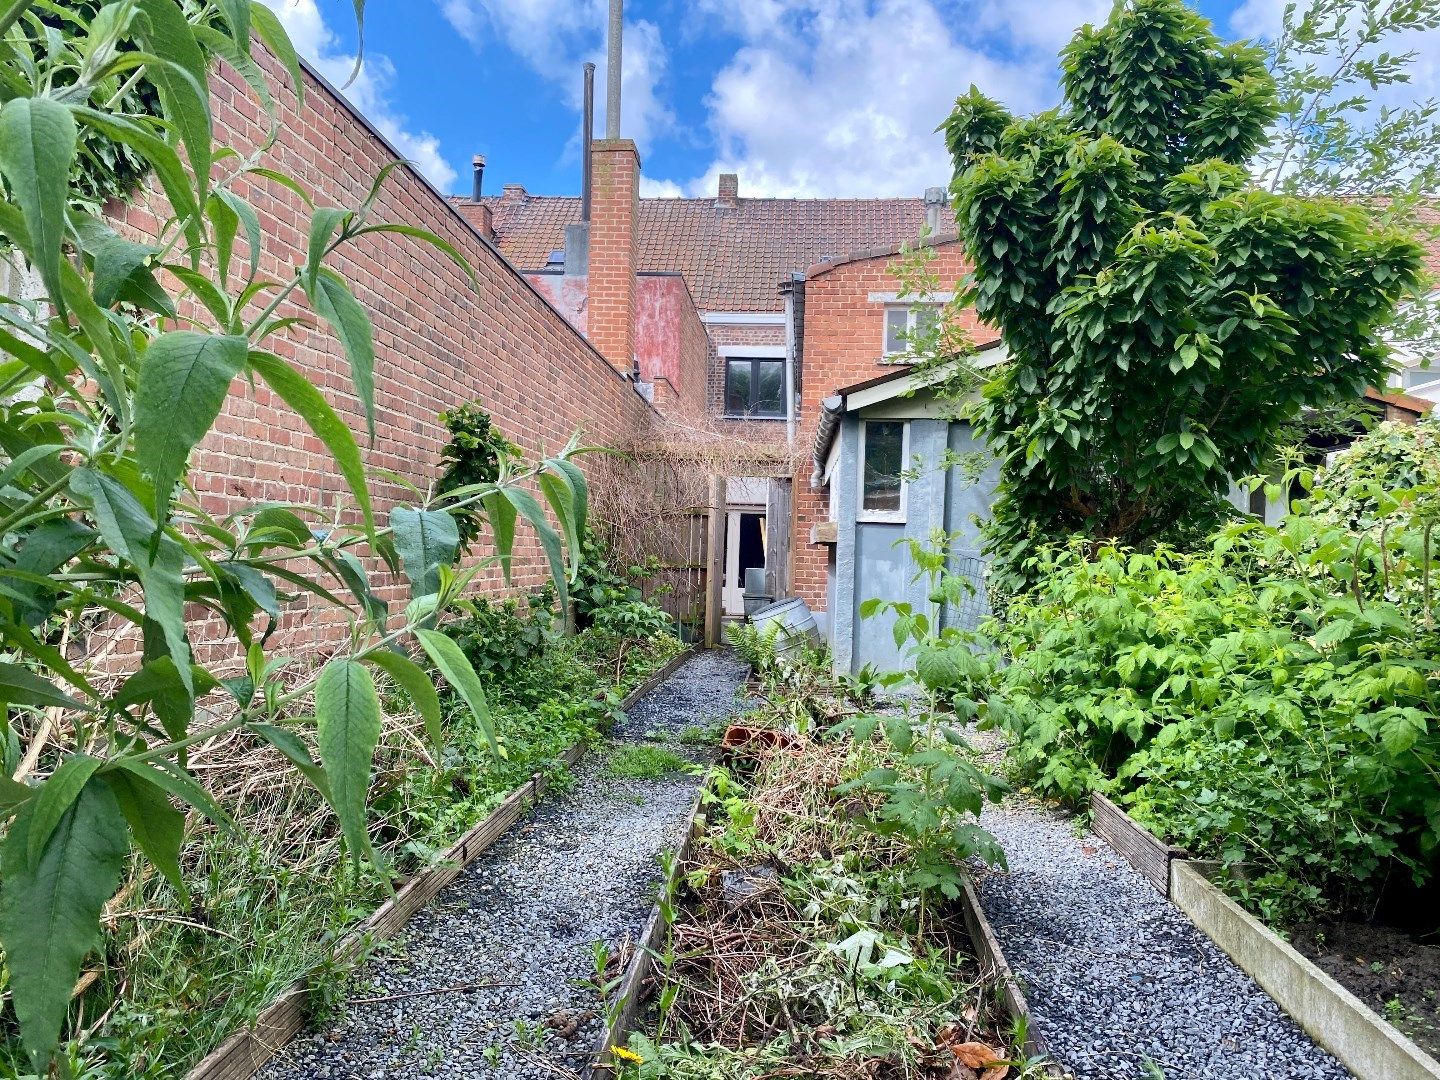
(1121, 984)
(522, 920)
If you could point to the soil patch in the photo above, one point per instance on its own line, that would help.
(1387, 969)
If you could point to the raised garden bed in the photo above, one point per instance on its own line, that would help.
(1150, 856)
(633, 1003)
(1387, 969)
(247, 1050)
(1334, 1017)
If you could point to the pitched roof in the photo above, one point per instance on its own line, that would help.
(733, 256)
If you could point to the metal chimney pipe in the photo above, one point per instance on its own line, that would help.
(478, 165)
(612, 71)
(587, 135)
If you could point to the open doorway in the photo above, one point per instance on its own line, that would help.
(745, 546)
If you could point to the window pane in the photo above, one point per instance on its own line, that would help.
(770, 388)
(737, 387)
(884, 453)
(896, 320)
(926, 318)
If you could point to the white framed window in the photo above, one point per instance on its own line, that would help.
(903, 322)
(884, 450)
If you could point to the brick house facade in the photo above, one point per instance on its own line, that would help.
(844, 343)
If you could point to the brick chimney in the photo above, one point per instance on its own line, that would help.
(729, 189)
(615, 207)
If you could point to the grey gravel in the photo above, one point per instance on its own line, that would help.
(523, 918)
(1120, 982)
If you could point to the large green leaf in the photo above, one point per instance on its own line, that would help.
(529, 508)
(159, 683)
(272, 32)
(452, 663)
(157, 827)
(50, 912)
(501, 513)
(416, 684)
(184, 379)
(426, 541)
(56, 796)
(132, 534)
(182, 81)
(21, 686)
(302, 396)
(347, 713)
(336, 304)
(37, 149)
(170, 777)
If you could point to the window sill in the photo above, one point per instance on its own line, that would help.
(746, 416)
(880, 519)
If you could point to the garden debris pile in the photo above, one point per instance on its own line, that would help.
(797, 951)
(519, 928)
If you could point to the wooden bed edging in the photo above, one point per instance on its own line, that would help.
(1150, 856)
(1331, 1015)
(246, 1050)
(993, 965)
(631, 989)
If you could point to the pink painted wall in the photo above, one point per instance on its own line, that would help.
(569, 294)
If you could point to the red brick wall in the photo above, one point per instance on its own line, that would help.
(439, 343)
(844, 345)
(615, 202)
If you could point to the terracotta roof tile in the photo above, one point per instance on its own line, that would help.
(733, 257)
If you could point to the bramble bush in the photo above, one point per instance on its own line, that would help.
(1270, 700)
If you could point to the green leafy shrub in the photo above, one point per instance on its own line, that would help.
(1364, 486)
(502, 636)
(1259, 702)
(475, 454)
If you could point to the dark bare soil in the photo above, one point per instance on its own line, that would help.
(1392, 972)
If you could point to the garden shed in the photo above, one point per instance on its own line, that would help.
(882, 453)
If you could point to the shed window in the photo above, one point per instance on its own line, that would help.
(882, 469)
(754, 386)
(905, 322)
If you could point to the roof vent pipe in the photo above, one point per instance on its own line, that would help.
(612, 71)
(587, 135)
(478, 166)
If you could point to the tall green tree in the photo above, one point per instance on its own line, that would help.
(1164, 314)
(1351, 126)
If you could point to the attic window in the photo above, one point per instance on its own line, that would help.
(906, 322)
(556, 258)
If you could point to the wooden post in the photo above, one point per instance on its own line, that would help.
(715, 564)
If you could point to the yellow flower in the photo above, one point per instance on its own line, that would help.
(626, 1054)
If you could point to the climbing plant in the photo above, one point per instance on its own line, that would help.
(475, 454)
(108, 382)
(1164, 316)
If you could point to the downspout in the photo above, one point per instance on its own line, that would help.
(790, 419)
(587, 135)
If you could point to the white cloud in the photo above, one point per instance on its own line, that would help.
(370, 92)
(555, 37)
(842, 97)
(660, 189)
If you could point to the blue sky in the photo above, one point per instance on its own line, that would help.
(800, 97)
